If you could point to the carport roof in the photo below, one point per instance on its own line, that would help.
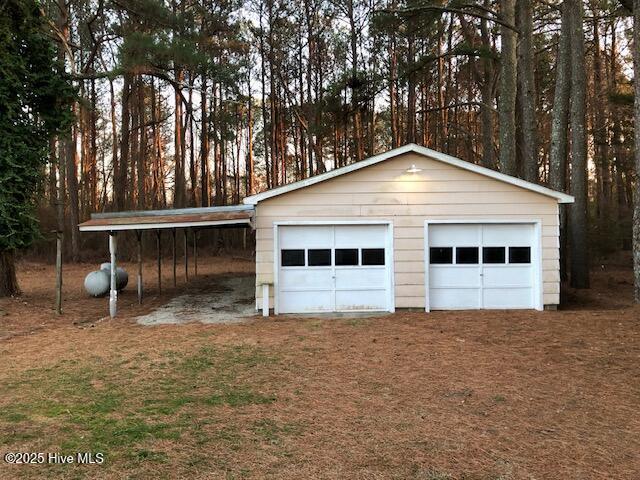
(170, 218)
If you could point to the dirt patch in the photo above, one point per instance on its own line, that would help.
(231, 301)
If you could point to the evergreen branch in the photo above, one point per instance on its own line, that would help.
(455, 105)
(436, 8)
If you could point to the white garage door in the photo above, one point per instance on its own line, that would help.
(481, 266)
(333, 268)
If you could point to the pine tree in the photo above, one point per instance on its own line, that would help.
(34, 105)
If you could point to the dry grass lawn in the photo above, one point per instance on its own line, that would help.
(471, 395)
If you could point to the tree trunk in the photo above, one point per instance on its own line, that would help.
(560, 113)
(393, 92)
(411, 92)
(72, 190)
(487, 98)
(600, 132)
(93, 168)
(250, 185)
(441, 129)
(578, 218)
(120, 177)
(50, 173)
(114, 140)
(273, 110)
(136, 125)
(559, 129)
(311, 109)
(527, 92)
(155, 149)
(449, 120)
(636, 111)
(193, 168)
(52, 178)
(141, 164)
(205, 194)
(179, 196)
(355, 89)
(216, 145)
(263, 103)
(508, 88)
(8, 280)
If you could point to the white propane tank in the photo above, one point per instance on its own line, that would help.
(122, 277)
(97, 283)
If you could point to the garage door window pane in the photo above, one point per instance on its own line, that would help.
(373, 256)
(319, 258)
(293, 258)
(493, 255)
(440, 255)
(346, 256)
(519, 254)
(467, 255)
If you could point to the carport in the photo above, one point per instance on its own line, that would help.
(158, 220)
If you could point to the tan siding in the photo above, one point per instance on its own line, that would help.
(408, 243)
(410, 232)
(552, 299)
(374, 174)
(551, 276)
(452, 210)
(410, 291)
(409, 267)
(265, 256)
(439, 198)
(416, 198)
(410, 302)
(408, 255)
(551, 287)
(297, 210)
(473, 185)
(409, 278)
(264, 268)
(264, 244)
(386, 192)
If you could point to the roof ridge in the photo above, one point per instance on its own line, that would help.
(410, 147)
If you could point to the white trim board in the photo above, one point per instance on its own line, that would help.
(410, 148)
(171, 211)
(153, 226)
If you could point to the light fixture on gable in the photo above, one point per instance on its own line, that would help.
(413, 169)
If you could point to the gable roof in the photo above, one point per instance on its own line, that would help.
(410, 148)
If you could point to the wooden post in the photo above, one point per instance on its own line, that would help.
(113, 292)
(174, 256)
(159, 246)
(195, 252)
(139, 237)
(59, 237)
(186, 254)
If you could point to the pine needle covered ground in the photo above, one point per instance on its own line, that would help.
(468, 395)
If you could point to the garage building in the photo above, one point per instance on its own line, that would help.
(410, 228)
